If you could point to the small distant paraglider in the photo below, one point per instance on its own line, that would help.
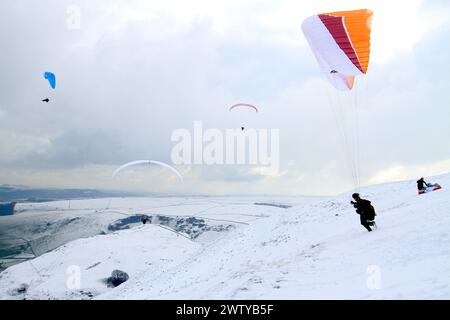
(243, 105)
(142, 162)
(51, 78)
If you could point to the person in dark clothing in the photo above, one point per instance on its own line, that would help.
(144, 219)
(421, 184)
(365, 210)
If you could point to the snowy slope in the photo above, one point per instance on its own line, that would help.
(37, 228)
(314, 249)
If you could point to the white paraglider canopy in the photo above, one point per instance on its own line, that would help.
(142, 162)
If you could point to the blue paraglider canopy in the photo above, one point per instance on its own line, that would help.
(50, 76)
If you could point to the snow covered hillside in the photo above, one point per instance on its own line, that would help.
(312, 248)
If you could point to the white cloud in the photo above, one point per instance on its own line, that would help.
(405, 172)
(397, 25)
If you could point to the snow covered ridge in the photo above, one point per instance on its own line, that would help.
(41, 227)
(315, 249)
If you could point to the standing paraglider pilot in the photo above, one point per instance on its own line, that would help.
(365, 210)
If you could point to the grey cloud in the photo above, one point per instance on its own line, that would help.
(121, 92)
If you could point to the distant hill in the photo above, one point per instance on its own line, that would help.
(29, 194)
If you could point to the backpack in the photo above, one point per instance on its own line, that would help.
(371, 212)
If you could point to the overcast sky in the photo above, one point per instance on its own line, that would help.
(134, 71)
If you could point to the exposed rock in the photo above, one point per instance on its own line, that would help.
(117, 278)
(190, 226)
(22, 289)
(278, 205)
